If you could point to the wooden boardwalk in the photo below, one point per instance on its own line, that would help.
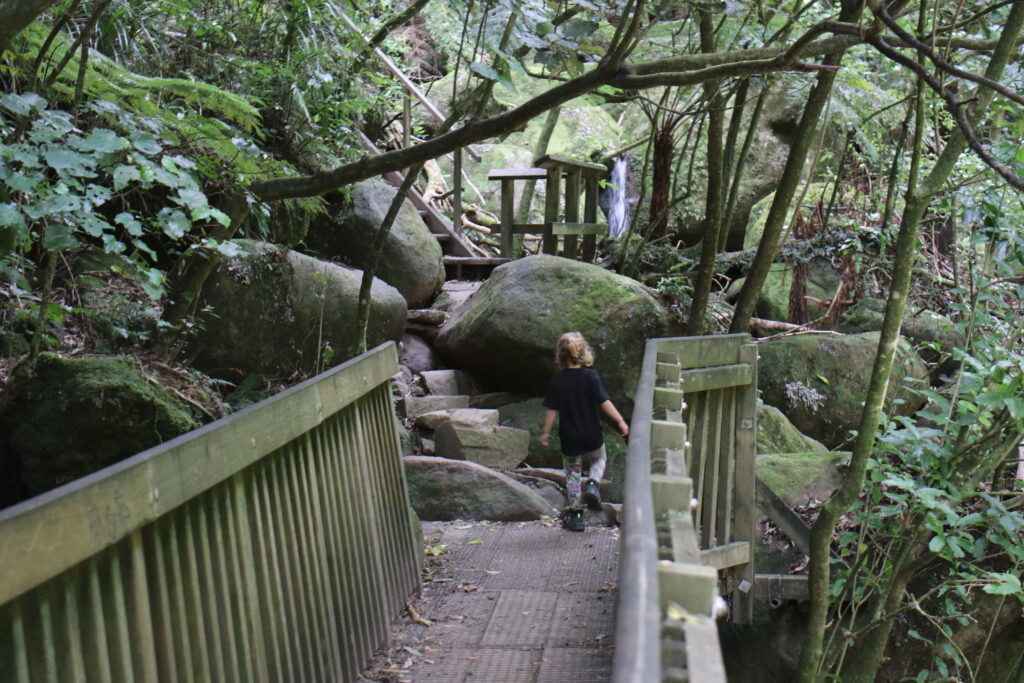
(510, 602)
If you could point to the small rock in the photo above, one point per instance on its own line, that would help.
(463, 417)
(417, 405)
(427, 316)
(492, 400)
(501, 448)
(553, 475)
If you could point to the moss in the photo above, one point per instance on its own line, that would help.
(78, 415)
(799, 477)
(776, 434)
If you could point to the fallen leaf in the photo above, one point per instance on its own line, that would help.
(477, 541)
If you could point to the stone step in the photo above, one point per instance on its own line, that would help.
(462, 417)
(500, 448)
(418, 405)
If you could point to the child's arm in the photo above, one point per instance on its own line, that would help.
(549, 422)
(609, 409)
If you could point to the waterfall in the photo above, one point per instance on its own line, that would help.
(618, 216)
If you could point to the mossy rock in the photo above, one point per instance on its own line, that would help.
(820, 380)
(78, 415)
(270, 308)
(506, 333)
(934, 335)
(529, 415)
(798, 478)
(773, 300)
(759, 212)
(411, 257)
(776, 434)
(13, 344)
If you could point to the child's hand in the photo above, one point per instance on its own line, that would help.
(545, 439)
(623, 428)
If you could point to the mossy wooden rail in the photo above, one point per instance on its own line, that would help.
(688, 513)
(273, 545)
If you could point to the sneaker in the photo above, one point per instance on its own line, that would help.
(592, 495)
(573, 520)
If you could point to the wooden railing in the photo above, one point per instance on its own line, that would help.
(273, 545)
(689, 477)
(580, 181)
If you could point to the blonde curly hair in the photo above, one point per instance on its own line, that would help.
(573, 349)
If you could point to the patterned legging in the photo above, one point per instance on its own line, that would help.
(574, 473)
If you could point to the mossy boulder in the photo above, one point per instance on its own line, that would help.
(276, 312)
(411, 260)
(78, 415)
(759, 212)
(820, 380)
(934, 335)
(776, 434)
(773, 300)
(507, 332)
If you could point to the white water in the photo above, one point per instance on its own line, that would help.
(618, 218)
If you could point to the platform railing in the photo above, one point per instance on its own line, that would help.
(276, 544)
(669, 580)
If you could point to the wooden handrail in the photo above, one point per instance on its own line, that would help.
(248, 549)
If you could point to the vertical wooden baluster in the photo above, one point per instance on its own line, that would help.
(316, 556)
(124, 644)
(200, 606)
(187, 666)
(572, 211)
(210, 589)
(20, 644)
(457, 186)
(49, 644)
(165, 629)
(375, 565)
(589, 214)
(552, 200)
(273, 599)
(143, 644)
(709, 494)
(99, 624)
(238, 558)
(73, 632)
(508, 197)
(698, 433)
(727, 476)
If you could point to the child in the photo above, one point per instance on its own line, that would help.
(576, 395)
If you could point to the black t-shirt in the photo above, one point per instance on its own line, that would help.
(577, 393)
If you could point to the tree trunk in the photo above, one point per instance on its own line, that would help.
(17, 15)
(661, 177)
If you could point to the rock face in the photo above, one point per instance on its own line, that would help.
(776, 434)
(461, 417)
(798, 478)
(500, 448)
(268, 305)
(416, 354)
(78, 415)
(819, 381)
(507, 332)
(411, 261)
(441, 489)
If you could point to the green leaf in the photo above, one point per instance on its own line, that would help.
(23, 105)
(484, 70)
(858, 82)
(174, 223)
(10, 217)
(125, 174)
(1003, 584)
(22, 183)
(103, 141)
(146, 143)
(58, 236)
(192, 199)
(1016, 407)
(544, 28)
(935, 545)
(62, 159)
(94, 226)
(580, 27)
(130, 223)
(112, 245)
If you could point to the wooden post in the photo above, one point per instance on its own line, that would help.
(507, 216)
(572, 210)
(457, 197)
(746, 463)
(551, 201)
(589, 214)
(406, 119)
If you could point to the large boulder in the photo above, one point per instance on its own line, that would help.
(799, 478)
(441, 489)
(506, 333)
(411, 260)
(776, 434)
(934, 335)
(820, 380)
(78, 415)
(275, 311)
